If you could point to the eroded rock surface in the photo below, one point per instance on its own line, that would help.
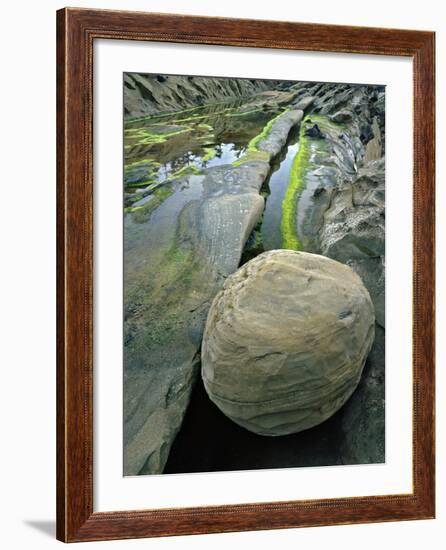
(186, 235)
(286, 340)
(146, 94)
(353, 231)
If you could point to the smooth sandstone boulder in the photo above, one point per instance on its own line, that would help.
(286, 340)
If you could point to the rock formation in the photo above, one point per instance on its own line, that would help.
(185, 235)
(145, 94)
(286, 340)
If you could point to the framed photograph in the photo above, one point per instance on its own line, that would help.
(245, 275)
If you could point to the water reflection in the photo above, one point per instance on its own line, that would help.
(278, 183)
(199, 138)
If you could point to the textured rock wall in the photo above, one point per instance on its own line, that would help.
(145, 94)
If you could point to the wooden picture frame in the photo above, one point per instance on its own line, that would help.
(76, 31)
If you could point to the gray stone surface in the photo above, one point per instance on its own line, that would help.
(362, 421)
(354, 230)
(145, 94)
(304, 103)
(286, 340)
(278, 134)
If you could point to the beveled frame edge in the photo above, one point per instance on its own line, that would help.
(76, 30)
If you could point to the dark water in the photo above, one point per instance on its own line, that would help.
(208, 442)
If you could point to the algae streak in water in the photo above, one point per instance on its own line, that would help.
(289, 204)
(252, 145)
(252, 151)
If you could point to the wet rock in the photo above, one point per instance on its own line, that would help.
(374, 148)
(354, 230)
(270, 100)
(304, 103)
(362, 428)
(209, 237)
(341, 208)
(286, 340)
(342, 116)
(227, 215)
(328, 162)
(314, 132)
(137, 175)
(279, 131)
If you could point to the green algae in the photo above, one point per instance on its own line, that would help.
(324, 123)
(150, 138)
(157, 332)
(205, 127)
(160, 191)
(189, 170)
(152, 135)
(139, 163)
(252, 156)
(299, 169)
(252, 145)
(157, 301)
(289, 203)
(252, 111)
(142, 213)
(151, 169)
(209, 154)
(140, 184)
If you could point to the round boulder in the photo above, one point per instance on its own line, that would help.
(286, 340)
